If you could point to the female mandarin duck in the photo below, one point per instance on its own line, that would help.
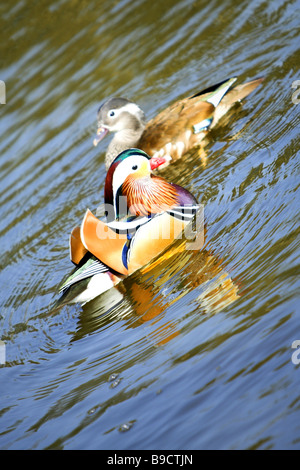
(175, 130)
(145, 213)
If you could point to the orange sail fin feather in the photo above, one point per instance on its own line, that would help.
(77, 249)
(103, 242)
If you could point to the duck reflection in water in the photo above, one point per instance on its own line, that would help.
(147, 294)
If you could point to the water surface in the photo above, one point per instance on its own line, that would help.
(195, 352)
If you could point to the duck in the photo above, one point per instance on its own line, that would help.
(145, 213)
(175, 130)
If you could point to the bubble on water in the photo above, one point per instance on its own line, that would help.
(93, 410)
(113, 377)
(115, 383)
(126, 426)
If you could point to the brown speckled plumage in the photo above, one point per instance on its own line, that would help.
(171, 133)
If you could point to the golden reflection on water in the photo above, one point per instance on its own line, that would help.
(144, 293)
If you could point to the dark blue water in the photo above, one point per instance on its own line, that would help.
(197, 351)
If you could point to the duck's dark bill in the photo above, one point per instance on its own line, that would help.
(101, 133)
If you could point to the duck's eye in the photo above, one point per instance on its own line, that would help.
(135, 167)
(111, 113)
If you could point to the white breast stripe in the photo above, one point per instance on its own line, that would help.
(123, 227)
(184, 212)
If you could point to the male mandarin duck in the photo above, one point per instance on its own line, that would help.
(174, 131)
(145, 214)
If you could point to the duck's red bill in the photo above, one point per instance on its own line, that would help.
(155, 162)
(101, 133)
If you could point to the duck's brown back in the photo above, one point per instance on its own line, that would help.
(171, 131)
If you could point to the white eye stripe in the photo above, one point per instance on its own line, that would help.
(124, 169)
(130, 108)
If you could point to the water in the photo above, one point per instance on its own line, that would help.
(197, 351)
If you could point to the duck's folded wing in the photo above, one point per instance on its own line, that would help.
(90, 268)
(153, 238)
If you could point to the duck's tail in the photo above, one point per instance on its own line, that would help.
(234, 95)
